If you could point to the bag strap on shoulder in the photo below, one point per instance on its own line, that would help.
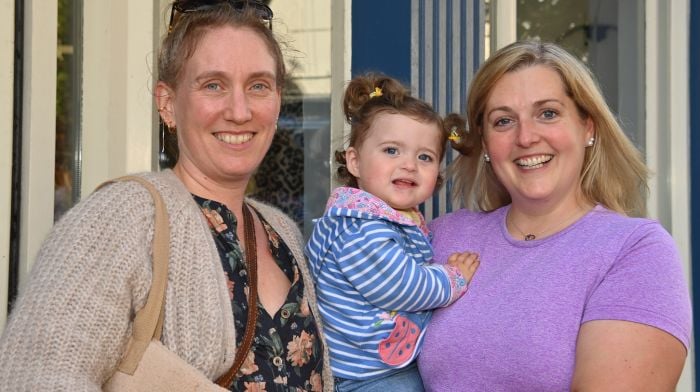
(148, 322)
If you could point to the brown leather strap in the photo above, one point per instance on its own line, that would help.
(251, 258)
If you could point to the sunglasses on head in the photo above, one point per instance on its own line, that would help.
(185, 6)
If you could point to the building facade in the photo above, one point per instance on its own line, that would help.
(76, 86)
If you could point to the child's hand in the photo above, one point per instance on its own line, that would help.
(466, 262)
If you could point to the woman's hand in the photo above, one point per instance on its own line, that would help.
(614, 355)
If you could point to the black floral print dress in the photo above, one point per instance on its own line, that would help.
(286, 354)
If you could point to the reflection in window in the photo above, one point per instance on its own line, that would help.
(68, 92)
(295, 174)
(564, 22)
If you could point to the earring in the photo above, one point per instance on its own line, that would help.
(487, 158)
(591, 141)
(163, 157)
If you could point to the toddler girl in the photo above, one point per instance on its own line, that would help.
(370, 253)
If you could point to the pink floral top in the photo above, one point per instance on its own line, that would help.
(286, 354)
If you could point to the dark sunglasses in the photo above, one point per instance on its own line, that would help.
(185, 6)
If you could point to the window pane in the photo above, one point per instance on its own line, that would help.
(295, 174)
(68, 90)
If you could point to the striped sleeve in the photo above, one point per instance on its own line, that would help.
(374, 260)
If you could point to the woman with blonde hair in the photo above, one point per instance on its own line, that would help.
(575, 290)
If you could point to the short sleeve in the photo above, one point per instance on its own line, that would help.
(645, 285)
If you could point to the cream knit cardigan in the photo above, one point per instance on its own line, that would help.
(73, 318)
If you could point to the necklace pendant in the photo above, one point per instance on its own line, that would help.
(529, 237)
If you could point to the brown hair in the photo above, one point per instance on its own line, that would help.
(613, 172)
(180, 43)
(361, 109)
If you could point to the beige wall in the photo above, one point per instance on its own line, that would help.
(118, 111)
(309, 38)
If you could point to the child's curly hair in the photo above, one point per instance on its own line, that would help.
(367, 96)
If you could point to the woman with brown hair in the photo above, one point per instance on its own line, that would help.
(219, 88)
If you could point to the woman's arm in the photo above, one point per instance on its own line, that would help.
(616, 355)
(636, 323)
(70, 322)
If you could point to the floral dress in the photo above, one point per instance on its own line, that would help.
(286, 354)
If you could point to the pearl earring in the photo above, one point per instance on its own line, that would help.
(591, 141)
(487, 158)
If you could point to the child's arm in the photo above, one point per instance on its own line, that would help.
(374, 262)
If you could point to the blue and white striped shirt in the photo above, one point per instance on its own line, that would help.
(374, 283)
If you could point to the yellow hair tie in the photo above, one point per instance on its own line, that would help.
(454, 135)
(376, 93)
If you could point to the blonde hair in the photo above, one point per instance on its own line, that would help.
(613, 172)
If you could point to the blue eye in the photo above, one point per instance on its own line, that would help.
(391, 150)
(425, 158)
(212, 86)
(549, 114)
(502, 122)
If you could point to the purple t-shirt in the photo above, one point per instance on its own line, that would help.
(516, 328)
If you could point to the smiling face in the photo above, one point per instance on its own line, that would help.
(536, 137)
(398, 161)
(225, 106)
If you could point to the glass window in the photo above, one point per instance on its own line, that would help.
(68, 92)
(295, 174)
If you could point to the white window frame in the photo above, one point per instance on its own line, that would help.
(7, 39)
(38, 128)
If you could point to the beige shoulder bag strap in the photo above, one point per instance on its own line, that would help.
(148, 322)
